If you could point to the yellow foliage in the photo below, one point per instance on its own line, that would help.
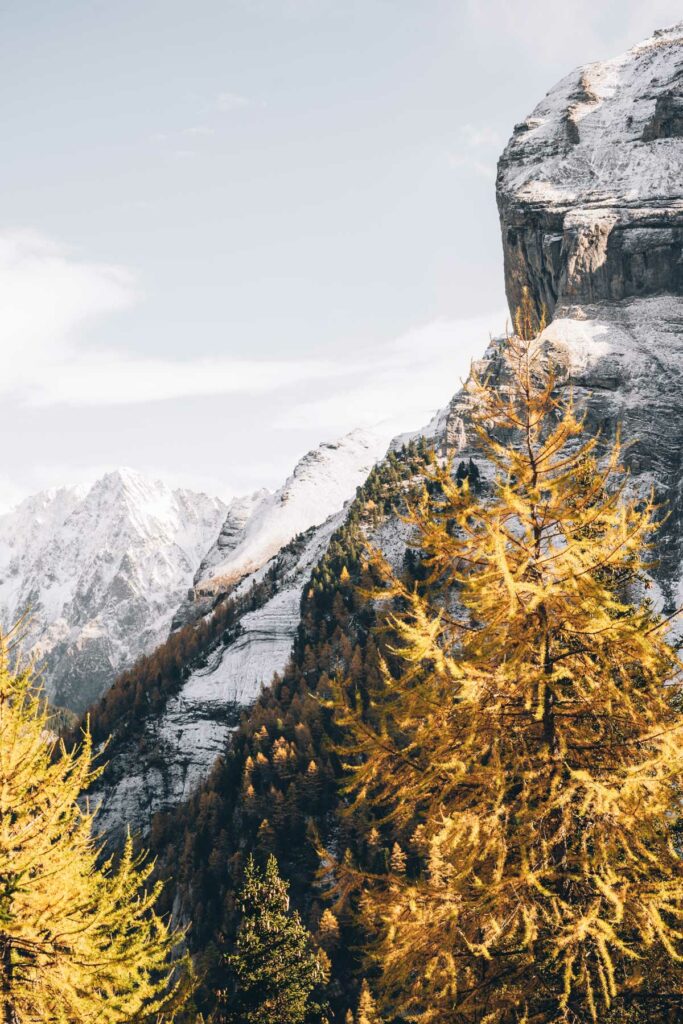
(79, 939)
(527, 733)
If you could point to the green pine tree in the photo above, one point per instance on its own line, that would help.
(277, 976)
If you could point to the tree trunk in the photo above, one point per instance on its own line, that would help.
(9, 1015)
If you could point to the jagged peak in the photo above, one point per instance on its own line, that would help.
(102, 568)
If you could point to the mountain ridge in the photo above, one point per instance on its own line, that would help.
(276, 788)
(97, 570)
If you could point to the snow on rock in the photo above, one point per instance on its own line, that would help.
(590, 193)
(240, 511)
(179, 747)
(589, 187)
(288, 530)
(100, 570)
(322, 481)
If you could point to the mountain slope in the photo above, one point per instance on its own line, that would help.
(260, 525)
(593, 235)
(99, 571)
(173, 712)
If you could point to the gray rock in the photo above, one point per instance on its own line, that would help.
(590, 189)
(592, 225)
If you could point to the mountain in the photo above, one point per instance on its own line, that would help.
(236, 630)
(591, 212)
(590, 194)
(591, 205)
(259, 525)
(99, 571)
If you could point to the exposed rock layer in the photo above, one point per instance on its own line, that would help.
(589, 187)
(590, 193)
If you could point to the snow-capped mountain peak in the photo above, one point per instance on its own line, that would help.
(255, 530)
(99, 570)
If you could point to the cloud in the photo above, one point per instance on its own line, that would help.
(402, 383)
(559, 35)
(49, 301)
(116, 379)
(228, 101)
(199, 130)
(46, 295)
(477, 150)
(480, 167)
(482, 135)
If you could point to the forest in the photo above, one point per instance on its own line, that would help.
(459, 803)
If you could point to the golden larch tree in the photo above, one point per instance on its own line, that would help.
(525, 742)
(80, 941)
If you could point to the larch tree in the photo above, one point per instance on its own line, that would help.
(367, 1009)
(526, 740)
(277, 975)
(80, 941)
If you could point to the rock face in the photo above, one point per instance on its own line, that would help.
(590, 189)
(99, 572)
(176, 749)
(590, 193)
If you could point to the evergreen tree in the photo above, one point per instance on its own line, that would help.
(277, 975)
(525, 740)
(367, 1008)
(79, 940)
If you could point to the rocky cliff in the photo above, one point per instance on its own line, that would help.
(589, 187)
(590, 194)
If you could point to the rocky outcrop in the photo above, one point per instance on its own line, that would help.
(98, 572)
(590, 193)
(589, 187)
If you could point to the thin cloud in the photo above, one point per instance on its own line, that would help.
(481, 136)
(228, 101)
(113, 379)
(459, 161)
(477, 150)
(47, 294)
(50, 300)
(402, 383)
(199, 130)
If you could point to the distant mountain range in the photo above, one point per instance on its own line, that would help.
(101, 573)
(98, 571)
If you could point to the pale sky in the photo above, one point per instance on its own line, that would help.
(231, 229)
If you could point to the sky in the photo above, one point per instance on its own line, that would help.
(232, 229)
